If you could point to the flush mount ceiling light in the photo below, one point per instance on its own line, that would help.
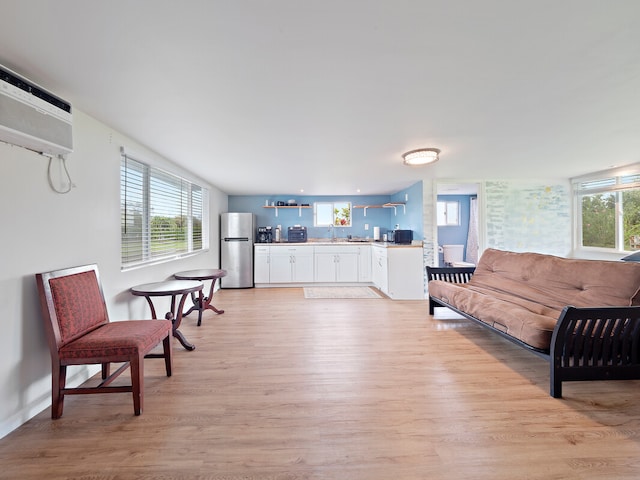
(421, 156)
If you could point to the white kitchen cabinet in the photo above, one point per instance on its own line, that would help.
(398, 271)
(279, 266)
(379, 268)
(336, 264)
(325, 267)
(302, 270)
(289, 264)
(261, 264)
(364, 263)
(347, 267)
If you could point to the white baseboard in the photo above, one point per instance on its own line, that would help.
(43, 402)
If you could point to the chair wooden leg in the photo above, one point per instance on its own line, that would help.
(136, 364)
(58, 383)
(167, 345)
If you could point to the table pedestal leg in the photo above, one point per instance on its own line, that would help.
(202, 303)
(178, 334)
(175, 321)
(178, 319)
(196, 303)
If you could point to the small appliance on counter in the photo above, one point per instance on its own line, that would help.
(265, 235)
(297, 234)
(402, 237)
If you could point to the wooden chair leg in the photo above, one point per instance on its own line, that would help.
(167, 346)
(136, 364)
(58, 383)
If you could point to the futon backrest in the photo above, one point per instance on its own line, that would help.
(556, 281)
(79, 304)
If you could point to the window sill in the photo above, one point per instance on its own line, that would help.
(137, 266)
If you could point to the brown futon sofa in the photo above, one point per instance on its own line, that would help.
(581, 315)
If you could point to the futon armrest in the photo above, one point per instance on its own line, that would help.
(450, 274)
(595, 344)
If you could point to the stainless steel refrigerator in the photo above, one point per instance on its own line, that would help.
(237, 232)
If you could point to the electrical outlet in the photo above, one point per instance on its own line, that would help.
(406, 197)
(366, 226)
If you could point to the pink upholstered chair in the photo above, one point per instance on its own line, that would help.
(80, 333)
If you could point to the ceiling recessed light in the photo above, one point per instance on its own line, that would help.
(421, 156)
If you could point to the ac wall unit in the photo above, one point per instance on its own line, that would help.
(33, 118)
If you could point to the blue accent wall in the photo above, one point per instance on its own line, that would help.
(413, 219)
(408, 217)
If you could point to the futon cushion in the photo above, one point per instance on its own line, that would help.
(116, 340)
(557, 282)
(529, 322)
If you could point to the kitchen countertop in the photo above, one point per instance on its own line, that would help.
(340, 243)
(396, 245)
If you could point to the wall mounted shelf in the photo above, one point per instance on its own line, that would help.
(385, 205)
(299, 207)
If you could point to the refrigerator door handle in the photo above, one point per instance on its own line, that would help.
(236, 239)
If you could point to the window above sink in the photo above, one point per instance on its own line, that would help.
(332, 214)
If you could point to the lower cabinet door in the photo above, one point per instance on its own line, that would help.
(325, 268)
(302, 270)
(347, 267)
(261, 269)
(280, 268)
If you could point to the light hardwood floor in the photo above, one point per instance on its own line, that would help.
(284, 388)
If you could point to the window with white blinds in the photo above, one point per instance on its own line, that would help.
(162, 214)
(608, 209)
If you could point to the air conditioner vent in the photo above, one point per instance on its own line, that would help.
(33, 118)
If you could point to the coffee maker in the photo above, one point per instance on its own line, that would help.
(265, 235)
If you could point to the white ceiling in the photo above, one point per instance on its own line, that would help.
(263, 97)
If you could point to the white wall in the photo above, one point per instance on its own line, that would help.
(43, 230)
(517, 215)
(529, 216)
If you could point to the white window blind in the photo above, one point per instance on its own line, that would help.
(163, 215)
(608, 209)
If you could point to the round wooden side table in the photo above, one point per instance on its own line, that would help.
(201, 303)
(173, 288)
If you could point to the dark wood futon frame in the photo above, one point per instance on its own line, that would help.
(586, 344)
